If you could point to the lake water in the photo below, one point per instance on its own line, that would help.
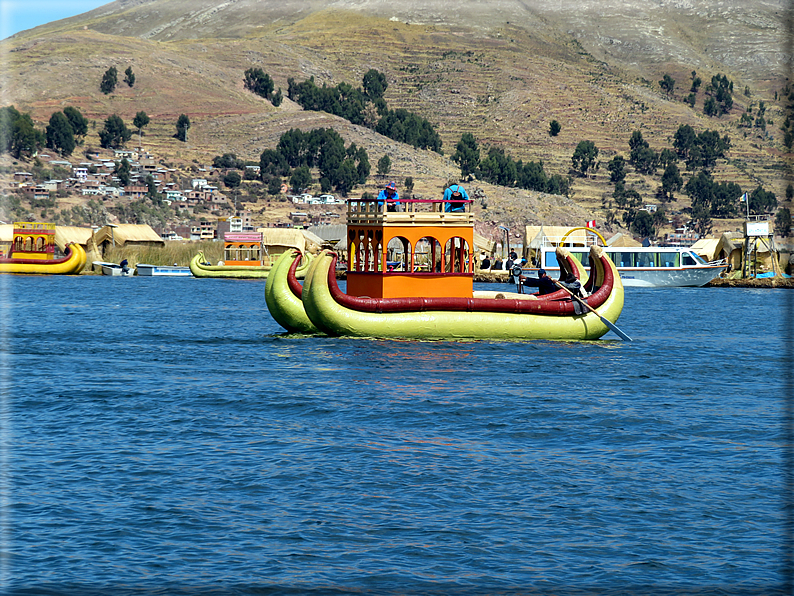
(164, 436)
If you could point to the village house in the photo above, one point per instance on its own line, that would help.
(23, 176)
(53, 185)
(38, 192)
(136, 192)
(129, 154)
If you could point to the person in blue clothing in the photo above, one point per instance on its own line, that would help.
(455, 196)
(390, 194)
(543, 282)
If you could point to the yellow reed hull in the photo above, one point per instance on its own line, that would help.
(331, 317)
(72, 265)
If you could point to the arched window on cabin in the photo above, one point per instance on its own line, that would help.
(40, 244)
(427, 255)
(456, 255)
(18, 244)
(352, 251)
(28, 243)
(398, 254)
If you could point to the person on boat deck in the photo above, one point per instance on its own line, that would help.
(454, 197)
(389, 193)
(124, 266)
(515, 273)
(543, 282)
(573, 285)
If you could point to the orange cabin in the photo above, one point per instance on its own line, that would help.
(33, 240)
(417, 251)
(242, 248)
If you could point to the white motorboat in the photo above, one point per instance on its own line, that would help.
(163, 270)
(113, 269)
(647, 267)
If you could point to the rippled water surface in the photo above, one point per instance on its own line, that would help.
(165, 436)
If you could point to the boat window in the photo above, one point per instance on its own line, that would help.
(427, 255)
(398, 254)
(691, 259)
(551, 260)
(669, 259)
(622, 259)
(646, 259)
(456, 254)
(582, 257)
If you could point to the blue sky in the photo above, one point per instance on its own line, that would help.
(18, 15)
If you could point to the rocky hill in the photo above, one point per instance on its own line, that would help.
(501, 70)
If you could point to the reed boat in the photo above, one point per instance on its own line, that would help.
(71, 264)
(33, 249)
(283, 295)
(421, 287)
(200, 268)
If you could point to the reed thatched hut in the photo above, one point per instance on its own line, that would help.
(121, 235)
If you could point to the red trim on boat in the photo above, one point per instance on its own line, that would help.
(292, 279)
(507, 305)
(13, 261)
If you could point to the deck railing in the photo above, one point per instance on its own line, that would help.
(408, 211)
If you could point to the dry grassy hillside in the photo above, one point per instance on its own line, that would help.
(503, 79)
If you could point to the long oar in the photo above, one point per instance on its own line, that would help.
(606, 321)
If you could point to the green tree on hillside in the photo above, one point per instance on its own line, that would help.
(642, 225)
(182, 126)
(762, 201)
(585, 157)
(109, 80)
(467, 154)
(301, 178)
(122, 171)
(384, 165)
(617, 169)
(129, 76)
(671, 182)
(115, 133)
(274, 186)
(375, 84)
(77, 121)
(554, 128)
(641, 156)
(696, 82)
(259, 82)
(59, 134)
(409, 186)
(667, 84)
(363, 168)
(276, 98)
(232, 179)
(140, 122)
(783, 222)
